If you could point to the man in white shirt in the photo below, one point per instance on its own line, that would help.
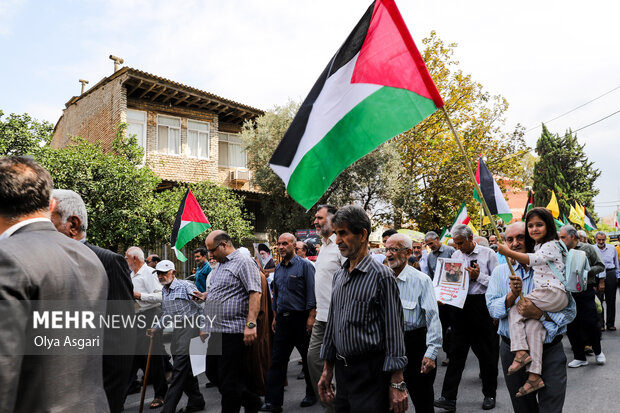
(472, 325)
(327, 264)
(147, 293)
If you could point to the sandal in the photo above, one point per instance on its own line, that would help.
(521, 362)
(157, 402)
(535, 385)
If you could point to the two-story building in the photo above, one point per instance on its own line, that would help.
(188, 135)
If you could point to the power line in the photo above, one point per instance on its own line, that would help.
(578, 107)
(594, 123)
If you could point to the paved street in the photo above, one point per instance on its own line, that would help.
(590, 389)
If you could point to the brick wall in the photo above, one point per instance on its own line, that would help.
(95, 116)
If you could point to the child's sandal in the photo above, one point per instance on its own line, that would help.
(535, 385)
(521, 362)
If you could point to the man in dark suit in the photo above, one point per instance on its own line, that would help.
(38, 264)
(70, 217)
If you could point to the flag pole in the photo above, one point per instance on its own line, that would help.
(473, 178)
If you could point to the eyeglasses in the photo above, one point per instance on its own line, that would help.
(216, 247)
(393, 250)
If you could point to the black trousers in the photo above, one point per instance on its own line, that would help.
(420, 386)
(363, 386)
(609, 296)
(290, 333)
(549, 399)
(445, 316)
(183, 380)
(228, 372)
(157, 374)
(472, 327)
(585, 328)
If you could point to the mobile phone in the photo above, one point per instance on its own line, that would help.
(472, 262)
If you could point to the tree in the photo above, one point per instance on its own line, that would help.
(434, 181)
(123, 204)
(23, 135)
(563, 167)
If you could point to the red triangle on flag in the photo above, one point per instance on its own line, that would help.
(192, 211)
(389, 56)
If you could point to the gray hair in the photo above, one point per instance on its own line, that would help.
(354, 218)
(430, 235)
(69, 203)
(582, 233)
(461, 230)
(135, 252)
(402, 239)
(481, 241)
(570, 231)
(601, 233)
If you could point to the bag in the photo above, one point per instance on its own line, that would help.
(576, 267)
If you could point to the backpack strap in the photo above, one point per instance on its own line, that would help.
(559, 274)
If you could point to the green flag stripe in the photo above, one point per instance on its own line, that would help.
(190, 231)
(381, 116)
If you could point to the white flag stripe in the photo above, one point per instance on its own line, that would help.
(336, 99)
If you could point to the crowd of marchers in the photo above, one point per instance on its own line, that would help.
(367, 325)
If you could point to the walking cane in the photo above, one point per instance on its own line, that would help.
(146, 375)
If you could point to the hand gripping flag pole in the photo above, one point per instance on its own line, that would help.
(473, 178)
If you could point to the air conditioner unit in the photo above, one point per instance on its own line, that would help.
(240, 175)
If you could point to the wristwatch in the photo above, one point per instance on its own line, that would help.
(250, 324)
(402, 386)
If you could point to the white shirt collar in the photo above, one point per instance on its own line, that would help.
(12, 229)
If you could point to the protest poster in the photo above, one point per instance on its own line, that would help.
(451, 282)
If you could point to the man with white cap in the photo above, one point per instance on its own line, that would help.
(179, 306)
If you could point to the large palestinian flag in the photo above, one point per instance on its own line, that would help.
(374, 88)
(491, 193)
(189, 223)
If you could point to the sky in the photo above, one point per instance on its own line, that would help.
(545, 57)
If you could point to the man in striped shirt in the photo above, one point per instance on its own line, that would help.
(422, 325)
(364, 338)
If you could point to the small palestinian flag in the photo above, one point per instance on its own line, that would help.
(461, 218)
(491, 193)
(375, 87)
(589, 221)
(189, 223)
(529, 205)
(617, 221)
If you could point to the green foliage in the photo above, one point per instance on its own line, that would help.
(433, 177)
(22, 135)
(564, 168)
(123, 205)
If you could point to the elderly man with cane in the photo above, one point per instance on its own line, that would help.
(178, 304)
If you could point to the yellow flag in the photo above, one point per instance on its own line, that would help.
(553, 206)
(581, 211)
(574, 216)
(473, 229)
(486, 220)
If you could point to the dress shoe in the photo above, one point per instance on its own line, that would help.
(488, 403)
(268, 407)
(308, 401)
(442, 402)
(612, 328)
(445, 362)
(301, 375)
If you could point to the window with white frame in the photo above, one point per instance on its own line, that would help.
(197, 139)
(231, 151)
(168, 135)
(136, 125)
